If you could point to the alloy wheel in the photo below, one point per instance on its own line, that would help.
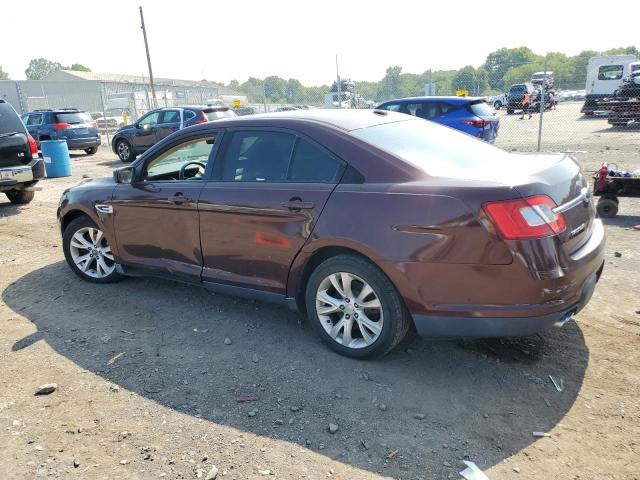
(349, 310)
(91, 253)
(123, 151)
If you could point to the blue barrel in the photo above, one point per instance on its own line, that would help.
(57, 162)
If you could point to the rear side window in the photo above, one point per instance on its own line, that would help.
(610, 72)
(34, 119)
(481, 109)
(188, 115)
(312, 164)
(9, 120)
(257, 156)
(73, 118)
(394, 107)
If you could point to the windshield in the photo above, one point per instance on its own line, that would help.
(74, 118)
(9, 120)
(444, 152)
(481, 109)
(216, 114)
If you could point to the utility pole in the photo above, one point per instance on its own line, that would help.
(338, 77)
(146, 47)
(542, 99)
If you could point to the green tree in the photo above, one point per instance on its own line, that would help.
(468, 78)
(234, 85)
(498, 62)
(389, 86)
(77, 67)
(40, 67)
(622, 51)
(3, 75)
(293, 90)
(275, 88)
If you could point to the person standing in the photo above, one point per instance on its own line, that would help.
(526, 104)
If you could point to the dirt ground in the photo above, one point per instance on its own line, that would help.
(147, 387)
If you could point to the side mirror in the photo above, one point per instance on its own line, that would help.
(136, 125)
(124, 175)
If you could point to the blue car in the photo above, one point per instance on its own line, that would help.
(467, 114)
(76, 127)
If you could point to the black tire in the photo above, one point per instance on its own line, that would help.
(124, 151)
(509, 111)
(73, 227)
(91, 151)
(607, 207)
(20, 197)
(497, 105)
(396, 318)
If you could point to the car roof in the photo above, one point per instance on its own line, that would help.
(343, 119)
(449, 99)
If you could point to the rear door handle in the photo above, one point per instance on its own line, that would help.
(179, 199)
(298, 205)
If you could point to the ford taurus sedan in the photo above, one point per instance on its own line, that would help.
(370, 222)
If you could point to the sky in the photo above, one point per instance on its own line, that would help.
(220, 41)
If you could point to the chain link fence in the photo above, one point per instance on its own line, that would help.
(530, 106)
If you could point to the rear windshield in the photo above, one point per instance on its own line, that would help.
(518, 88)
(9, 120)
(481, 109)
(437, 150)
(74, 118)
(216, 114)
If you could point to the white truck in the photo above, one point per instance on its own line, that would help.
(604, 75)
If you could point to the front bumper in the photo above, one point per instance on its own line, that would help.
(20, 174)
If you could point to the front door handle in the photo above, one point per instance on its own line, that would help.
(179, 199)
(298, 205)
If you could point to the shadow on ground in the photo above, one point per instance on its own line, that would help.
(623, 221)
(483, 399)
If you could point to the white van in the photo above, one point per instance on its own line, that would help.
(604, 75)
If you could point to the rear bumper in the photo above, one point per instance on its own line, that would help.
(484, 327)
(20, 174)
(82, 143)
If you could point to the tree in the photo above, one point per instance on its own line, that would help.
(3, 75)
(275, 88)
(77, 68)
(40, 67)
(468, 78)
(498, 62)
(234, 85)
(390, 85)
(293, 90)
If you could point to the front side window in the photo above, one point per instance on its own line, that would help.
(610, 72)
(35, 119)
(170, 116)
(257, 156)
(150, 119)
(186, 161)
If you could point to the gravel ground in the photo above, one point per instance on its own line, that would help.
(149, 372)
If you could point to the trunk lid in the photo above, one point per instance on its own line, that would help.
(562, 180)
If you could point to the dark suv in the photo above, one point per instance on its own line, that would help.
(75, 126)
(132, 140)
(516, 93)
(20, 167)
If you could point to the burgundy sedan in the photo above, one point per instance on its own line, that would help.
(370, 222)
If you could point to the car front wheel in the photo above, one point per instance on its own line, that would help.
(354, 307)
(124, 151)
(91, 151)
(88, 253)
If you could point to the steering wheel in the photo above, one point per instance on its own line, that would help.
(184, 168)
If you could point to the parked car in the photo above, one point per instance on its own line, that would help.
(113, 118)
(131, 140)
(498, 101)
(516, 94)
(20, 167)
(367, 220)
(468, 114)
(76, 127)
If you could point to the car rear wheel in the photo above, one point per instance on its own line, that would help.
(354, 307)
(124, 151)
(607, 207)
(91, 151)
(88, 253)
(497, 105)
(509, 111)
(20, 197)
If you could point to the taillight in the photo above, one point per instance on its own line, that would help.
(61, 126)
(531, 217)
(203, 119)
(477, 122)
(33, 146)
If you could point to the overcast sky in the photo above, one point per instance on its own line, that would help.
(193, 39)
